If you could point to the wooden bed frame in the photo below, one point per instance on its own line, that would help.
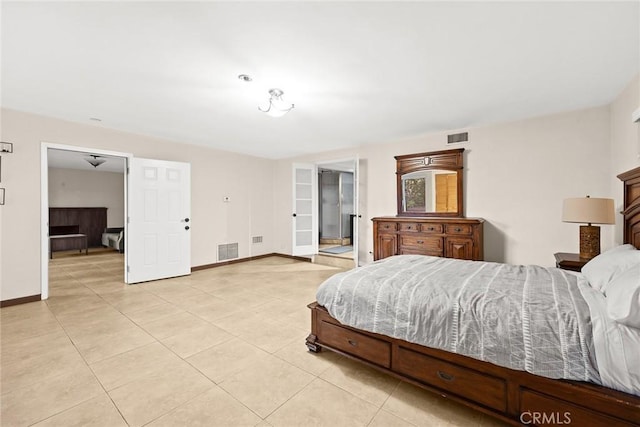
(515, 397)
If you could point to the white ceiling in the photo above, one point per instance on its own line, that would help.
(64, 159)
(358, 72)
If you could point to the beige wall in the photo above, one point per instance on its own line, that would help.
(516, 176)
(79, 188)
(625, 142)
(214, 174)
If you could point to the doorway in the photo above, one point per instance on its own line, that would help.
(335, 192)
(157, 208)
(72, 164)
(337, 210)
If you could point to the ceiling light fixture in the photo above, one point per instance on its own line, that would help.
(94, 160)
(277, 106)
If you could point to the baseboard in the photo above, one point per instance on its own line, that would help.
(22, 300)
(251, 258)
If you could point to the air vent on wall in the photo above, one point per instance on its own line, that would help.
(458, 137)
(228, 251)
(257, 239)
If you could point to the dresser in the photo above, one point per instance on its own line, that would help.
(460, 238)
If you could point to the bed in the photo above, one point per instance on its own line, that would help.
(516, 385)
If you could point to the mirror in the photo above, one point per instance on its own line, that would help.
(430, 191)
(430, 184)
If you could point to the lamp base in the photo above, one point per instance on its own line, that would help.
(589, 241)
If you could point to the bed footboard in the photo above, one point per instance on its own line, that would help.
(513, 396)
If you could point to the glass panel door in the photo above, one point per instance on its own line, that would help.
(305, 206)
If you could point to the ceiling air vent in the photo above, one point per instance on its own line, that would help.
(458, 137)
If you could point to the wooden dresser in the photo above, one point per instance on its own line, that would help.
(460, 238)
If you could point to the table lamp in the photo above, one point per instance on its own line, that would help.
(589, 210)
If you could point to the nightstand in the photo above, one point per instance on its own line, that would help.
(567, 261)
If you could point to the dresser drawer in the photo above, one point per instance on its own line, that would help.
(410, 250)
(453, 378)
(459, 229)
(357, 344)
(409, 226)
(421, 242)
(387, 226)
(431, 228)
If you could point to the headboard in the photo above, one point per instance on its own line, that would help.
(631, 206)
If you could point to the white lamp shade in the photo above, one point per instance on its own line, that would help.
(589, 210)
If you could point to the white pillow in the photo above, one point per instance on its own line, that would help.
(603, 268)
(623, 297)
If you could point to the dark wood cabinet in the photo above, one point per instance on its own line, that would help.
(386, 244)
(89, 221)
(459, 247)
(460, 238)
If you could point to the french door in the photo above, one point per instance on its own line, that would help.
(305, 209)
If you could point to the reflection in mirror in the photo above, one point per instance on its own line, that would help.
(430, 184)
(426, 191)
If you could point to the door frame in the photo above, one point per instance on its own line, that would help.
(356, 196)
(44, 204)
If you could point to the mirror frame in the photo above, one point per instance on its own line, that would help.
(450, 160)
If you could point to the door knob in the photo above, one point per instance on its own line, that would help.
(294, 215)
(186, 227)
(186, 220)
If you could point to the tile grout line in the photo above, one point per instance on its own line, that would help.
(87, 363)
(90, 370)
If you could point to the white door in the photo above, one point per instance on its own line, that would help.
(305, 209)
(158, 237)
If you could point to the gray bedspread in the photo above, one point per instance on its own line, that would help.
(528, 318)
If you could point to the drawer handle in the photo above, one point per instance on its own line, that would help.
(386, 226)
(457, 229)
(352, 342)
(420, 242)
(409, 228)
(431, 229)
(445, 376)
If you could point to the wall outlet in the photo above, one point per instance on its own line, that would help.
(226, 199)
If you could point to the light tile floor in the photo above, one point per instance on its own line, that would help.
(221, 347)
